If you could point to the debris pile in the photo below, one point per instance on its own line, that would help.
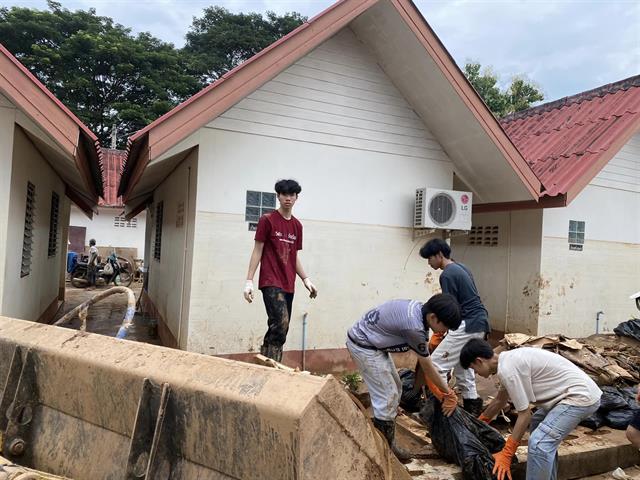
(612, 361)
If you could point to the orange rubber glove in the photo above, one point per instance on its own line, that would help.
(435, 340)
(503, 459)
(484, 418)
(449, 403)
(449, 400)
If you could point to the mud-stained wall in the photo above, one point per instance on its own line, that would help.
(169, 276)
(354, 267)
(577, 285)
(27, 297)
(507, 273)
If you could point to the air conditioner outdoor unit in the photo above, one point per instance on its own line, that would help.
(446, 209)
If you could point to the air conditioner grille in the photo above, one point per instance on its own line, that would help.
(417, 213)
(441, 209)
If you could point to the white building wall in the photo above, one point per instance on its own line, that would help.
(602, 276)
(102, 228)
(7, 125)
(507, 274)
(29, 296)
(167, 276)
(334, 122)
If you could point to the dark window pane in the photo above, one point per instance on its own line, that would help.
(580, 238)
(267, 210)
(253, 198)
(572, 225)
(269, 200)
(252, 214)
(572, 237)
(581, 227)
(253, 226)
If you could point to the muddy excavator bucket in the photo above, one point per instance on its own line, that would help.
(87, 406)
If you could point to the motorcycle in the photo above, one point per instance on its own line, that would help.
(116, 269)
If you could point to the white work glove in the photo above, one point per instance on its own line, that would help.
(313, 291)
(248, 291)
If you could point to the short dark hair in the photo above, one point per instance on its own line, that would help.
(474, 349)
(434, 247)
(287, 187)
(92, 242)
(445, 307)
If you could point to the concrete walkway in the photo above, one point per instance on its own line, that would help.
(106, 316)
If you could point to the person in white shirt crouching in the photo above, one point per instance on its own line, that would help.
(563, 394)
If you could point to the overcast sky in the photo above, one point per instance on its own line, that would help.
(565, 46)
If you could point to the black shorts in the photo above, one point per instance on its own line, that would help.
(635, 421)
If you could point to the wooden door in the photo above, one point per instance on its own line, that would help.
(77, 237)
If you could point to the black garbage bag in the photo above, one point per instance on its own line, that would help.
(462, 439)
(630, 328)
(619, 419)
(409, 400)
(594, 421)
(630, 394)
(612, 399)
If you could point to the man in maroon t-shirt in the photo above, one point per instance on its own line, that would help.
(277, 241)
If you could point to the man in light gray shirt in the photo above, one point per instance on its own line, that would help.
(400, 326)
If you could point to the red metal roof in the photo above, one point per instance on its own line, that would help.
(29, 103)
(568, 141)
(112, 161)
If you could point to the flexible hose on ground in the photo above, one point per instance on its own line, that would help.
(83, 309)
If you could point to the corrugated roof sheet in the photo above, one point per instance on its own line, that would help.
(112, 161)
(562, 140)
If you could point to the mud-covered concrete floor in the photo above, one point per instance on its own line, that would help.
(105, 317)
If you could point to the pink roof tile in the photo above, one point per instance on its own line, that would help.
(112, 161)
(566, 142)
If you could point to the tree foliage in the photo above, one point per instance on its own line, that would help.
(102, 72)
(220, 40)
(519, 95)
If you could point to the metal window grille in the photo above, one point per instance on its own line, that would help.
(54, 216)
(258, 203)
(122, 222)
(576, 232)
(27, 239)
(157, 245)
(484, 235)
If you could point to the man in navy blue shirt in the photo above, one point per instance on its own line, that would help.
(456, 280)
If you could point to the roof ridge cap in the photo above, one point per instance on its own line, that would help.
(600, 91)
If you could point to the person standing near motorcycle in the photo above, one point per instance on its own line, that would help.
(92, 264)
(277, 241)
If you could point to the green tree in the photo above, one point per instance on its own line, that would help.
(520, 95)
(102, 72)
(220, 40)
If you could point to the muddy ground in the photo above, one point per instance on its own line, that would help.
(105, 317)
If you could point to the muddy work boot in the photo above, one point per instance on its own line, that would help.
(388, 429)
(473, 406)
(272, 351)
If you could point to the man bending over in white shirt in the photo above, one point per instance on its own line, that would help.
(563, 394)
